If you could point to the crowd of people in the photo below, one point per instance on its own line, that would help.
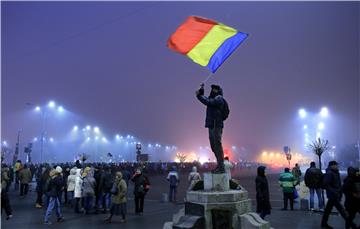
(87, 188)
(316, 182)
(93, 188)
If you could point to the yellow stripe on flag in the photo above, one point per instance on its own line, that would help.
(205, 49)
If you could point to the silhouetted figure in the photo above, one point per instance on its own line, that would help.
(332, 184)
(263, 206)
(217, 111)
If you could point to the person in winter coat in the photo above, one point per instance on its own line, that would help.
(263, 206)
(287, 182)
(141, 187)
(56, 185)
(89, 185)
(78, 190)
(173, 178)
(5, 201)
(193, 178)
(214, 121)
(332, 184)
(351, 189)
(313, 180)
(228, 166)
(39, 186)
(118, 198)
(71, 185)
(107, 183)
(24, 178)
(296, 172)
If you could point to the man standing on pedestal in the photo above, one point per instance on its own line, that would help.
(216, 112)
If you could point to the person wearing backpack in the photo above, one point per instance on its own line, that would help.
(55, 187)
(118, 198)
(89, 185)
(173, 178)
(217, 111)
(313, 180)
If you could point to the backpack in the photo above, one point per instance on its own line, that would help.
(225, 110)
(172, 180)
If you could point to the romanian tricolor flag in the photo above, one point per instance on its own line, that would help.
(205, 41)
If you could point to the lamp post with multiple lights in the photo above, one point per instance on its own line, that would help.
(44, 111)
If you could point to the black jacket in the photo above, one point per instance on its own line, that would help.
(313, 178)
(262, 191)
(214, 108)
(351, 189)
(332, 184)
(56, 185)
(140, 182)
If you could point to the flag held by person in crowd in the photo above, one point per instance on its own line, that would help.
(205, 41)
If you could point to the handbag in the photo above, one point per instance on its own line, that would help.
(296, 194)
(114, 189)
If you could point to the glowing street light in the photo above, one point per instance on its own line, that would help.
(75, 128)
(96, 129)
(51, 104)
(305, 127)
(324, 112)
(264, 153)
(60, 109)
(88, 127)
(51, 140)
(35, 139)
(37, 109)
(117, 137)
(302, 113)
(321, 126)
(4, 143)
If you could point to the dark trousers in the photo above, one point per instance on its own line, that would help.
(39, 197)
(288, 196)
(77, 205)
(65, 195)
(24, 188)
(329, 206)
(139, 203)
(17, 180)
(172, 194)
(5, 203)
(216, 145)
(88, 202)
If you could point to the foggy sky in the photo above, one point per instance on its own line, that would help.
(108, 63)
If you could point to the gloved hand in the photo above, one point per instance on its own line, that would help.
(201, 91)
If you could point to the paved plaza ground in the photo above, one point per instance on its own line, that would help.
(26, 216)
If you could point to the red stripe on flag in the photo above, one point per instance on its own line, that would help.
(189, 34)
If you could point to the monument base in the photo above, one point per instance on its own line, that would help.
(217, 207)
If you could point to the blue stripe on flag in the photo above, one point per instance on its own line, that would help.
(225, 50)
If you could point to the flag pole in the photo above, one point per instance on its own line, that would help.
(208, 77)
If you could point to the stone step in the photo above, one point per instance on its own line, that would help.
(190, 222)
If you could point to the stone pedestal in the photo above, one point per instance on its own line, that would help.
(216, 182)
(217, 207)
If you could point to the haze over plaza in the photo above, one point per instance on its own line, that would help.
(107, 66)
